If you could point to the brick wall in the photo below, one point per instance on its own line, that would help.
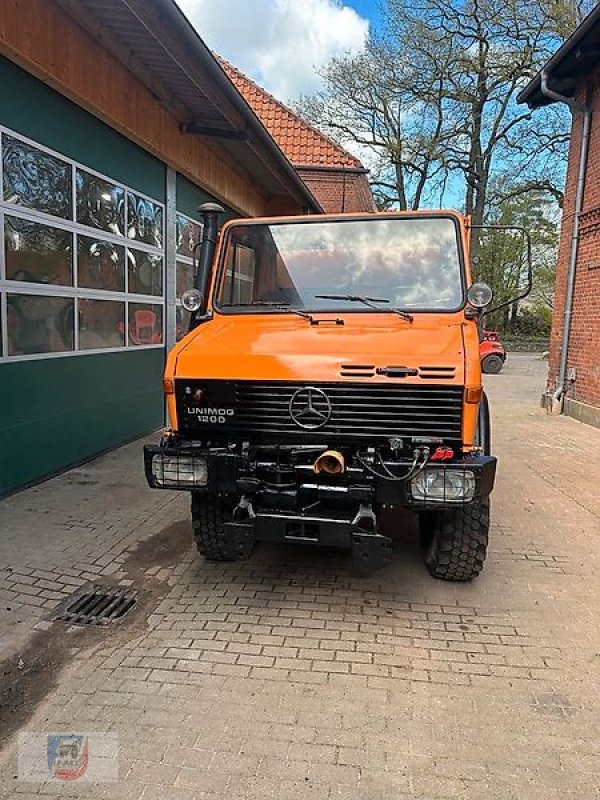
(584, 345)
(339, 190)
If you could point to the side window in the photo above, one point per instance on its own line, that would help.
(239, 276)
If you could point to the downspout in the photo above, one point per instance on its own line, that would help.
(574, 105)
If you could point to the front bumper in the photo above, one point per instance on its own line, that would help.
(225, 471)
(357, 532)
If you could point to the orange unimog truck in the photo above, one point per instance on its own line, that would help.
(331, 371)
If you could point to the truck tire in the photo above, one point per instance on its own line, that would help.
(455, 541)
(209, 514)
(492, 364)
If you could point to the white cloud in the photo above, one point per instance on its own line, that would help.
(279, 43)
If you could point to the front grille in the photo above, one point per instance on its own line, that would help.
(359, 412)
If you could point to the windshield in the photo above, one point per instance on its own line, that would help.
(403, 263)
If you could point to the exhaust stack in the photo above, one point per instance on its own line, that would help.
(331, 462)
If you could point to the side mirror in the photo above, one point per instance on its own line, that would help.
(523, 291)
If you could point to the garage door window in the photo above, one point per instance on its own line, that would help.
(82, 257)
(38, 324)
(36, 179)
(37, 253)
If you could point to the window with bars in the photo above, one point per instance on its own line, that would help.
(81, 257)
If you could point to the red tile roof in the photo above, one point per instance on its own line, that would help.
(302, 144)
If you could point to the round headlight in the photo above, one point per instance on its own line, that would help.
(191, 299)
(479, 295)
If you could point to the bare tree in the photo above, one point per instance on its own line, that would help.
(581, 8)
(491, 47)
(434, 100)
(373, 101)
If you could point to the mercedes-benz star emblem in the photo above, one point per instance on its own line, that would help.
(310, 408)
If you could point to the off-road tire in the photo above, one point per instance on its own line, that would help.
(455, 541)
(209, 515)
(492, 364)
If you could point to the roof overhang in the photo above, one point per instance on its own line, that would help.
(332, 168)
(159, 46)
(575, 59)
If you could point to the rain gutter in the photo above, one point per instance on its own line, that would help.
(575, 107)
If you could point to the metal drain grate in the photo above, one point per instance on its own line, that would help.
(96, 605)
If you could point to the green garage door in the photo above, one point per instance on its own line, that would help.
(82, 233)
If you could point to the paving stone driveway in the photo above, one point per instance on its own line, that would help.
(288, 676)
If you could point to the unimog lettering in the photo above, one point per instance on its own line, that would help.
(211, 416)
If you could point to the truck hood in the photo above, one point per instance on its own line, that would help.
(287, 347)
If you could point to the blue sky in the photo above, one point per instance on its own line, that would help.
(282, 44)
(368, 9)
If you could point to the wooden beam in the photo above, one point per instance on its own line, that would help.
(219, 133)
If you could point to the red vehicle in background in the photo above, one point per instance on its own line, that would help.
(491, 353)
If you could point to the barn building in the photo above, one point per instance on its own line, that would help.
(116, 123)
(336, 178)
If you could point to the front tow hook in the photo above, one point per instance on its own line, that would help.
(370, 549)
(240, 531)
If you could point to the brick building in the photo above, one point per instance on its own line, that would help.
(572, 75)
(336, 178)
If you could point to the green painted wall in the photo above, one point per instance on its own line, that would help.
(190, 196)
(57, 411)
(33, 109)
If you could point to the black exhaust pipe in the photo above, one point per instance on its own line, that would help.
(210, 213)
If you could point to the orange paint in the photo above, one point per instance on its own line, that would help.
(281, 346)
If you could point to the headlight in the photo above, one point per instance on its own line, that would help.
(444, 485)
(192, 299)
(181, 471)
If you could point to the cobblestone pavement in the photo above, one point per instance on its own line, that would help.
(288, 676)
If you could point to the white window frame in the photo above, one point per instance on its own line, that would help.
(78, 293)
(181, 259)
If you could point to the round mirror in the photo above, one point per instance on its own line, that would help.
(192, 300)
(479, 295)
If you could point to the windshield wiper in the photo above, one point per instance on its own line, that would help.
(368, 301)
(283, 307)
(280, 307)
